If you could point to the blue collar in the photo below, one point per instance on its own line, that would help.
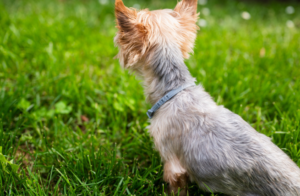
(166, 98)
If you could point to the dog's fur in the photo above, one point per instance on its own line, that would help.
(197, 139)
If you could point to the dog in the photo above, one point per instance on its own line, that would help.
(198, 140)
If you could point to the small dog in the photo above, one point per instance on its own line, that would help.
(198, 140)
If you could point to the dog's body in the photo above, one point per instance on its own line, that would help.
(197, 139)
(219, 150)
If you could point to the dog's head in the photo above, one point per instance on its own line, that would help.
(143, 34)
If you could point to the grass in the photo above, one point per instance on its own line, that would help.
(72, 122)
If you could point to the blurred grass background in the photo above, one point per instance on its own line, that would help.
(72, 122)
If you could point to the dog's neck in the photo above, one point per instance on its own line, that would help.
(165, 71)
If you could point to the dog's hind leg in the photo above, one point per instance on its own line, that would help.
(177, 178)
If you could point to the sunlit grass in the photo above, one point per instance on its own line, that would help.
(74, 121)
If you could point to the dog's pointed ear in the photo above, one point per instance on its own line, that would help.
(187, 10)
(187, 6)
(131, 36)
(125, 16)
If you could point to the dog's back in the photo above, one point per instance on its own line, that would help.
(221, 151)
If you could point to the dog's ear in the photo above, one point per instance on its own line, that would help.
(132, 35)
(187, 7)
(187, 10)
(125, 16)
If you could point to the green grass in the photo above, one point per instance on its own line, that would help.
(72, 122)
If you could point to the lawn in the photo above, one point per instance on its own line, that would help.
(73, 122)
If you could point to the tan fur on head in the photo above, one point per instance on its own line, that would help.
(188, 6)
(140, 33)
(132, 35)
(188, 18)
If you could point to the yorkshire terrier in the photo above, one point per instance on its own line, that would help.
(198, 140)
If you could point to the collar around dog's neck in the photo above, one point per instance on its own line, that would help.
(166, 98)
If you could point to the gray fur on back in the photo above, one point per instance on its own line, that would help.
(216, 147)
(220, 150)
